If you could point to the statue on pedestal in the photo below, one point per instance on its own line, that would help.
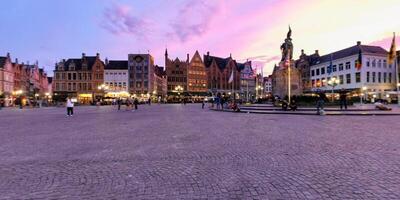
(281, 75)
(287, 47)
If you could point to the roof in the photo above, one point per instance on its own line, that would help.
(354, 50)
(117, 65)
(159, 70)
(78, 62)
(241, 66)
(2, 61)
(221, 62)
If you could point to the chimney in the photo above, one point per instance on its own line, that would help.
(16, 60)
(187, 57)
(8, 55)
(208, 53)
(97, 55)
(358, 43)
(230, 55)
(302, 52)
(63, 60)
(83, 55)
(316, 52)
(106, 61)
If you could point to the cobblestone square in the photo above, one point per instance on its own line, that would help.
(184, 152)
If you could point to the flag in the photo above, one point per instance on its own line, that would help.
(231, 78)
(392, 52)
(359, 60)
(329, 70)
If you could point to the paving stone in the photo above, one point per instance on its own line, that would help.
(184, 152)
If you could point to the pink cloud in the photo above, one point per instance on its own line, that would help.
(194, 19)
(386, 42)
(118, 19)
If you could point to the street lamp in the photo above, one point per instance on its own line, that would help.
(179, 89)
(102, 87)
(333, 82)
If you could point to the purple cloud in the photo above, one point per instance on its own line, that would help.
(194, 19)
(118, 19)
(265, 58)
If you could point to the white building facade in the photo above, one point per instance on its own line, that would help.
(247, 81)
(376, 76)
(116, 78)
(268, 85)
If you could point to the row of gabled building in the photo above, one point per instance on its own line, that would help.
(22, 80)
(89, 78)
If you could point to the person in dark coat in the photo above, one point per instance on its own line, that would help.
(119, 103)
(136, 102)
(343, 99)
(293, 105)
(321, 102)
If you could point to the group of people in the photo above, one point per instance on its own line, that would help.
(322, 99)
(130, 103)
(223, 102)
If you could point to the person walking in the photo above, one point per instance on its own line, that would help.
(321, 102)
(149, 101)
(203, 103)
(119, 103)
(70, 107)
(128, 103)
(218, 100)
(136, 102)
(343, 99)
(222, 102)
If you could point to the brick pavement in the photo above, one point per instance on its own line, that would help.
(183, 152)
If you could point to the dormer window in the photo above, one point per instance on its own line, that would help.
(71, 67)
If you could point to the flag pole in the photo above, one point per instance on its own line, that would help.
(289, 83)
(396, 64)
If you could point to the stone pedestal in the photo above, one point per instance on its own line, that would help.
(280, 81)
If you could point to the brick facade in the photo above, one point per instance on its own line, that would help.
(197, 76)
(79, 78)
(219, 71)
(176, 71)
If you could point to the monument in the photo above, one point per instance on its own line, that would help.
(286, 74)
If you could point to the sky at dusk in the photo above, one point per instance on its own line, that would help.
(51, 30)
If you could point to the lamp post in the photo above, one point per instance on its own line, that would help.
(333, 82)
(179, 89)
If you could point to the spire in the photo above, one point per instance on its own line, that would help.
(166, 53)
